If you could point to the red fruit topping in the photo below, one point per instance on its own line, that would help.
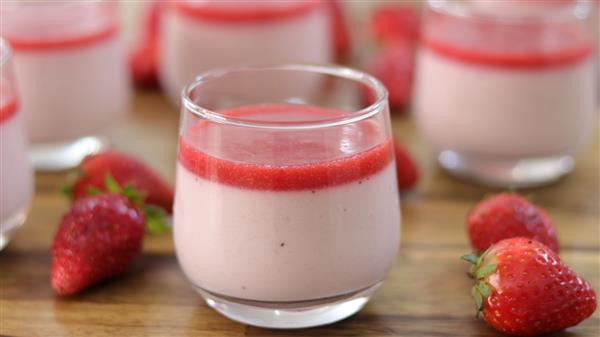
(143, 61)
(406, 169)
(393, 65)
(530, 44)
(126, 171)
(143, 64)
(524, 289)
(304, 159)
(22, 44)
(246, 11)
(97, 239)
(340, 28)
(395, 23)
(508, 215)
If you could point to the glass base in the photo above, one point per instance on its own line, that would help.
(289, 315)
(10, 226)
(511, 172)
(58, 156)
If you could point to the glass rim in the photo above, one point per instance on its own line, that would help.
(333, 70)
(579, 10)
(5, 52)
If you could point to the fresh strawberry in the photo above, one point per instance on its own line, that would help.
(153, 19)
(100, 235)
(508, 215)
(406, 169)
(143, 60)
(522, 288)
(393, 65)
(97, 239)
(395, 23)
(143, 65)
(127, 171)
(340, 29)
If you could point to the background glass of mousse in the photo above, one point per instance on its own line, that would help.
(16, 174)
(506, 90)
(71, 70)
(200, 35)
(286, 211)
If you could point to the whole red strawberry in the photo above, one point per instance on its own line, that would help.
(127, 171)
(340, 30)
(143, 60)
(522, 288)
(97, 239)
(395, 23)
(393, 65)
(143, 64)
(508, 215)
(406, 169)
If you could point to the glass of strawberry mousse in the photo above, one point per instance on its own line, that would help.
(72, 74)
(200, 35)
(16, 174)
(286, 210)
(506, 90)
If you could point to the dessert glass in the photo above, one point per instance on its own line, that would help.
(72, 75)
(286, 210)
(506, 90)
(200, 35)
(16, 174)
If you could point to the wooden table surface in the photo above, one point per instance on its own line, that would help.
(426, 294)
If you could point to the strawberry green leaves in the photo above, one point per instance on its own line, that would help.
(481, 273)
(156, 217)
(481, 290)
(67, 191)
(471, 258)
(478, 298)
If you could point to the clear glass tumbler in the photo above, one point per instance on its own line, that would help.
(16, 174)
(72, 74)
(200, 35)
(286, 211)
(506, 90)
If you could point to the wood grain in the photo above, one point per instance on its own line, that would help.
(426, 294)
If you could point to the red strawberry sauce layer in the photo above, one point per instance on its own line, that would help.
(282, 161)
(7, 110)
(26, 43)
(531, 45)
(245, 11)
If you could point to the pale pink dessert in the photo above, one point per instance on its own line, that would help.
(200, 35)
(495, 93)
(15, 170)
(285, 216)
(70, 67)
